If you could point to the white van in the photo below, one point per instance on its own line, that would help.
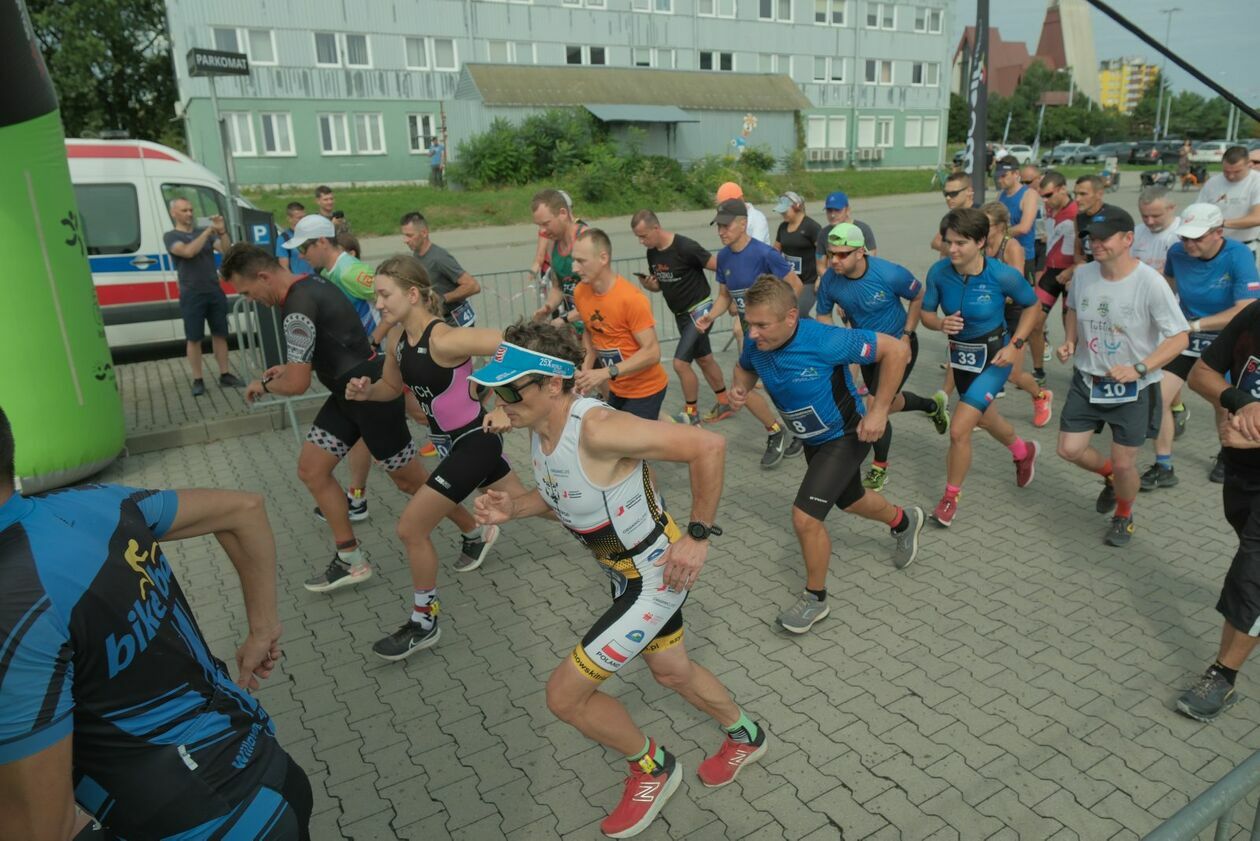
(123, 188)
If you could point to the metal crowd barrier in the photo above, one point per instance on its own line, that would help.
(1215, 804)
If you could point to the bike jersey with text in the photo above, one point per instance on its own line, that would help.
(321, 329)
(980, 299)
(442, 392)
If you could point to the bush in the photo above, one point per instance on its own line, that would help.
(756, 159)
(494, 158)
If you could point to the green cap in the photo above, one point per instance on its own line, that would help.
(846, 234)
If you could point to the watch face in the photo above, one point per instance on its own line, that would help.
(697, 531)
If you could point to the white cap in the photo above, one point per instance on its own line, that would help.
(1198, 219)
(309, 227)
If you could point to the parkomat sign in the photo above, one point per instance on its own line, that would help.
(217, 63)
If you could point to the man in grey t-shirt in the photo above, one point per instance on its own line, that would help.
(837, 209)
(448, 277)
(201, 299)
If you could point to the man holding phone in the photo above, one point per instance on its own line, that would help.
(677, 265)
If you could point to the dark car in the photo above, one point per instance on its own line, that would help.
(1161, 152)
(1069, 153)
(1119, 150)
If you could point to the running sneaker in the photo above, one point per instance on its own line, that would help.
(1026, 468)
(795, 448)
(1120, 532)
(1180, 416)
(691, 418)
(776, 446)
(1210, 696)
(338, 575)
(230, 380)
(940, 415)
(1106, 497)
(908, 540)
(428, 450)
(1043, 408)
(875, 479)
(945, 510)
(473, 552)
(720, 411)
(1158, 476)
(647, 789)
(357, 506)
(1217, 474)
(406, 641)
(724, 766)
(1047, 354)
(198, 388)
(801, 616)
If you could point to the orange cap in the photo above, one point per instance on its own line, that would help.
(729, 190)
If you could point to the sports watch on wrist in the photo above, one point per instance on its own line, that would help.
(699, 531)
(1019, 343)
(612, 371)
(1141, 369)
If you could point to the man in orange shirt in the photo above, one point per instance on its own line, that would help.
(620, 332)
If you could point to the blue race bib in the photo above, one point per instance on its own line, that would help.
(805, 423)
(1105, 390)
(968, 356)
(462, 315)
(1199, 342)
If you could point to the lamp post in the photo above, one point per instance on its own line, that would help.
(1159, 107)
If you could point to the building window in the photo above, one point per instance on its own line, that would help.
(715, 8)
(420, 132)
(226, 40)
(326, 53)
(927, 20)
(711, 60)
(828, 70)
(594, 4)
(445, 56)
(932, 131)
(884, 131)
(925, 74)
(825, 132)
(240, 133)
(830, 12)
(510, 52)
(358, 51)
(881, 16)
(664, 7)
(585, 55)
(572, 55)
(417, 55)
(441, 51)
(334, 137)
(780, 10)
(277, 133)
(772, 63)
(641, 56)
(369, 137)
(914, 132)
(878, 72)
(652, 57)
(923, 131)
(258, 44)
(866, 132)
(598, 55)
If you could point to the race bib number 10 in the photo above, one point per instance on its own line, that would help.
(1105, 390)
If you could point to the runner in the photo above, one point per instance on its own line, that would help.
(1122, 326)
(970, 289)
(869, 291)
(1060, 260)
(677, 266)
(797, 240)
(1154, 235)
(446, 275)
(1020, 202)
(323, 336)
(1090, 192)
(805, 368)
(433, 360)
(620, 333)
(740, 262)
(553, 214)
(1234, 354)
(591, 471)
(1215, 279)
(958, 192)
(1030, 177)
(837, 209)
(758, 225)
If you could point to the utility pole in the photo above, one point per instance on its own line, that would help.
(1159, 105)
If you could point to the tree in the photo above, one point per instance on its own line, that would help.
(959, 119)
(110, 61)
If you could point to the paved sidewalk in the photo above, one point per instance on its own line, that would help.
(1016, 682)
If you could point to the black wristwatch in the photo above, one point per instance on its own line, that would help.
(612, 371)
(1019, 343)
(699, 531)
(1141, 369)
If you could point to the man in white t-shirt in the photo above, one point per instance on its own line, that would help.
(758, 225)
(1122, 325)
(1157, 231)
(1236, 191)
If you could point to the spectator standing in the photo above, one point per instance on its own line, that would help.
(289, 257)
(437, 164)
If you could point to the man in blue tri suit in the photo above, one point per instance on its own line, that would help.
(109, 695)
(805, 368)
(971, 291)
(869, 291)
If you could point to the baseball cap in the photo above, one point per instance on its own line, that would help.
(729, 190)
(788, 199)
(730, 210)
(1004, 167)
(511, 362)
(836, 201)
(312, 226)
(846, 235)
(1198, 219)
(1108, 221)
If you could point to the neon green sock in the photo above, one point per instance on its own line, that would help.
(745, 730)
(658, 753)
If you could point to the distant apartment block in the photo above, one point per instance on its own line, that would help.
(1123, 81)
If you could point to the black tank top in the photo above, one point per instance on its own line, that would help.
(442, 392)
(322, 329)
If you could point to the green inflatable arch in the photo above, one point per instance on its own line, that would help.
(57, 386)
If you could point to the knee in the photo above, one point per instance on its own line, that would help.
(959, 434)
(1068, 452)
(1125, 459)
(561, 704)
(803, 523)
(309, 473)
(681, 367)
(674, 679)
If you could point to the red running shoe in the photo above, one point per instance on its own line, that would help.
(1043, 409)
(1026, 468)
(724, 766)
(647, 789)
(945, 511)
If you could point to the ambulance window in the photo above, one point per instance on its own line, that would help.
(110, 217)
(206, 201)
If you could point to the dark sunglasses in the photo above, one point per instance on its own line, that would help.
(511, 392)
(949, 194)
(1195, 239)
(1028, 181)
(301, 249)
(1048, 195)
(842, 254)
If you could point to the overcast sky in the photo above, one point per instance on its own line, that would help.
(1219, 37)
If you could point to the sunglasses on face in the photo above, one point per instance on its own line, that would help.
(951, 194)
(1198, 239)
(511, 392)
(301, 249)
(1027, 180)
(1048, 194)
(841, 254)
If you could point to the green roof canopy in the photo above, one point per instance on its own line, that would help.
(640, 114)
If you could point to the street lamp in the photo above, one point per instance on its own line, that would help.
(1159, 107)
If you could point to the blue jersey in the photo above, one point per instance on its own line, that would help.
(297, 263)
(738, 270)
(1206, 287)
(872, 301)
(980, 299)
(1012, 204)
(98, 640)
(808, 378)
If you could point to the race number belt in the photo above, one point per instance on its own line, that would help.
(700, 310)
(461, 315)
(1199, 342)
(805, 422)
(968, 356)
(1109, 391)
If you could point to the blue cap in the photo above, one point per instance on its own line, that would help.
(836, 201)
(511, 362)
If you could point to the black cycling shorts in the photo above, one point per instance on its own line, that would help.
(692, 344)
(870, 373)
(648, 408)
(833, 477)
(475, 461)
(382, 426)
(1049, 289)
(1239, 601)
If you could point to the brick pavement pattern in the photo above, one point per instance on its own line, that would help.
(1016, 682)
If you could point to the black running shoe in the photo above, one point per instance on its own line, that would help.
(407, 640)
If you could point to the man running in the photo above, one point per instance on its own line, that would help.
(677, 264)
(1157, 232)
(1122, 326)
(1235, 191)
(758, 225)
(797, 240)
(1090, 192)
(452, 282)
(1215, 279)
(553, 215)
(620, 333)
(590, 465)
(958, 192)
(741, 261)
(1060, 259)
(805, 367)
(971, 291)
(869, 291)
(837, 209)
(1021, 203)
(323, 336)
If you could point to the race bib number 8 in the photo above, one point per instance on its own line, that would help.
(1105, 390)
(609, 356)
(805, 423)
(968, 356)
(1199, 342)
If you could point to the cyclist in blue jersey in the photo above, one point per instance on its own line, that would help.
(971, 291)
(739, 264)
(869, 291)
(109, 694)
(805, 368)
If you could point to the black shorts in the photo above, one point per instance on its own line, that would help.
(1239, 601)
(474, 461)
(1181, 365)
(870, 373)
(198, 306)
(833, 477)
(692, 344)
(1039, 255)
(648, 408)
(1131, 423)
(382, 426)
(1049, 289)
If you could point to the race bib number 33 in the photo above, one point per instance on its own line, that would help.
(968, 356)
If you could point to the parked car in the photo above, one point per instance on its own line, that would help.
(961, 153)
(1020, 152)
(1163, 152)
(1209, 152)
(1070, 153)
(1120, 150)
